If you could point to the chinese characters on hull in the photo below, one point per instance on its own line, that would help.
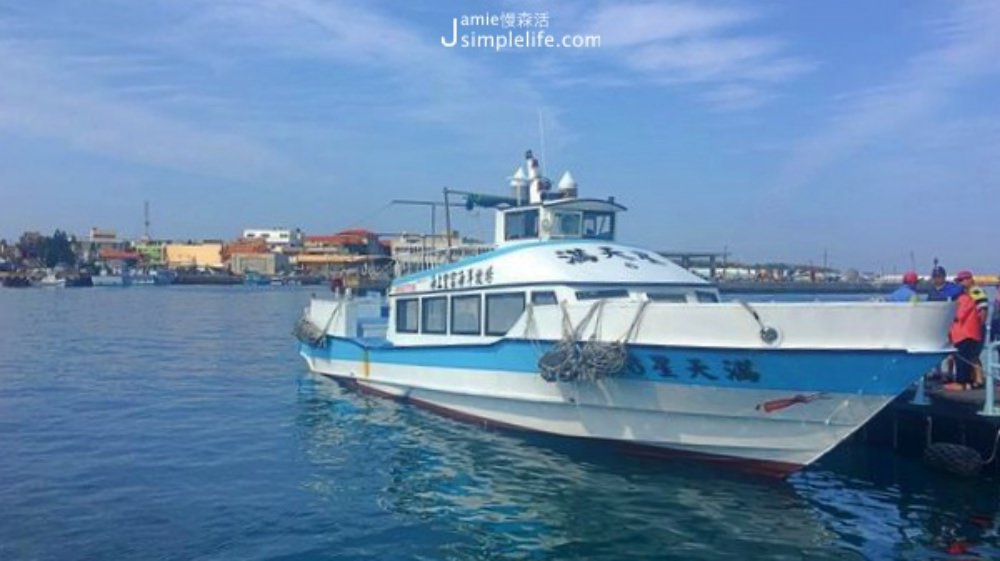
(738, 370)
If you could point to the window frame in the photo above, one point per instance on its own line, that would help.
(668, 297)
(486, 314)
(526, 213)
(706, 297)
(479, 314)
(554, 302)
(424, 302)
(400, 302)
(554, 231)
(601, 294)
(609, 236)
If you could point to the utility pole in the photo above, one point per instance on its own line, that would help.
(447, 221)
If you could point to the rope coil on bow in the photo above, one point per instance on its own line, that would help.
(311, 334)
(591, 360)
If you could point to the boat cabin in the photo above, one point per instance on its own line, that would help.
(551, 247)
(560, 219)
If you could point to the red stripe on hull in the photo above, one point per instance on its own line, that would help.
(766, 468)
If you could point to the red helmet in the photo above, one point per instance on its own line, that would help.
(910, 278)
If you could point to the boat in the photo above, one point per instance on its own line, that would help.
(253, 278)
(50, 280)
(367, 274)
(561, 329)
(153, 277)
(110, 278)
(16, 281)
(206, 276)
(81, 279)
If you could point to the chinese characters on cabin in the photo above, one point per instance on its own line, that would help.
(630, 258)
(465, 278)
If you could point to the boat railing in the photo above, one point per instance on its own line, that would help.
(991, 366)
(992, 371)
(419, 259)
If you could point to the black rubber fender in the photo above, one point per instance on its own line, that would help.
(953, 458)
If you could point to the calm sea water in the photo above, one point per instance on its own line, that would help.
(179, 423)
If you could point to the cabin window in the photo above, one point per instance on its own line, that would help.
(521, 225)
(434, 314)
(601, 294)
(465, 312)
(406, 315)
(705, 296)
(599, 225)
(567, 224)
(671, 297)
(502, 311)
(546, 298)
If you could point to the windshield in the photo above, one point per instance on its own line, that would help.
(599, 225)
(567, 224)
(521, 225)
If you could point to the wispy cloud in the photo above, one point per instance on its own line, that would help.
(736, 97)
(43, 96)
(713, 51)
(969, 41)
(443, 86)
(637, 24)
(179, 91)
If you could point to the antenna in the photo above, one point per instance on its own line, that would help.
(145, 212)
(541, 137)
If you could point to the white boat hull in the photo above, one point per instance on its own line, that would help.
(771, 430)
(625, 347)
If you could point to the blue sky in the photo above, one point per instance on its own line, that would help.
(778, 130)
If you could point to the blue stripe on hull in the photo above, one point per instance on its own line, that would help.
(869, 372)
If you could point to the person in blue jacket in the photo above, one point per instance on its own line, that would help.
(908, 291)
(941, 288)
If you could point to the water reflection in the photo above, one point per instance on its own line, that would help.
(537, 497)
(889, 506)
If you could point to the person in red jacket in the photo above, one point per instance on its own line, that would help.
(966, 332)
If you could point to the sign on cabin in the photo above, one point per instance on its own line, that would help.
(631, 258)
(469, 277)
